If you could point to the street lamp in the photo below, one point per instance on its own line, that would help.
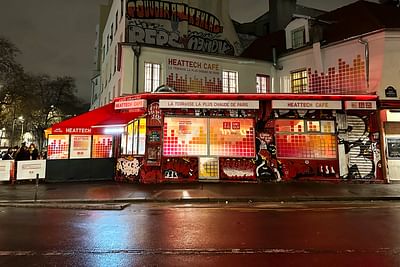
(22, 120)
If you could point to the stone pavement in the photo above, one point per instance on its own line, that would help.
(113, 192)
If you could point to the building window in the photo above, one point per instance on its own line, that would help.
(122, 8)
(305, 139)
(263, 84)
(111, 33)
(229, 81)
(116, 22)
(115, 58)
(298, 37)
(119, 88)
(151, 76)
(298, 80)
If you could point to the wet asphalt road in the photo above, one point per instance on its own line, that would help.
(321, 234)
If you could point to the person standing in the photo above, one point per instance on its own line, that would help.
(22, 153)
(8, 155)
(33, 152)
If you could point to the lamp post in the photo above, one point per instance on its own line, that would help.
(22, 120)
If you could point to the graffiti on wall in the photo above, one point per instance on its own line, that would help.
(180, 168)
(176, 25)
(180, 12)
(268, 168)
(156, 34)
(128, 169)
(236, 168)
(361, 147)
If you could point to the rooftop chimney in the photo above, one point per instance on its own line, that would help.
(281, 12)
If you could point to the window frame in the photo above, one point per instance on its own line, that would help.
(259, 86)
(150, 84)
(302, 78)
(230, 81)
(298, 36)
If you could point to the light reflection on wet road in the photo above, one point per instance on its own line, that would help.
(336, 234)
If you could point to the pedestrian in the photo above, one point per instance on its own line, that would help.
(22, 153)
(15, 150)
(8, 155)
(33, 152)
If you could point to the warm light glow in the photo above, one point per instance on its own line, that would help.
(112, 130)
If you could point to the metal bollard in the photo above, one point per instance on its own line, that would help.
(37, 186)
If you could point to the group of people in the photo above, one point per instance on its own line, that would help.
(22, 153)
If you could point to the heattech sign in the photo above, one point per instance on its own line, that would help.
(130, 104)
(306, 104)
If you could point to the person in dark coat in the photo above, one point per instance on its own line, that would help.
(33, 152)
(8, 155)
(22, 153)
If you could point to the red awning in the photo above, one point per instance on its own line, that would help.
(91, 121)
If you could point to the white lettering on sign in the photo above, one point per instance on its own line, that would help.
(366, 105)
(209, 104)
(78, 130)
(306, 104)
(130, 104)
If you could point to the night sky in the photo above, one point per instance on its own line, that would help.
(57, 37)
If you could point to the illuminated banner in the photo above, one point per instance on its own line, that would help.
(209, 104)
(194, 75)
(80, 146)
(131, 104)
(366, 105)
(306, 104)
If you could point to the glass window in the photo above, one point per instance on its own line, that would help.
(135, 138)
(124, 143)
(116, 21)
(185, 136)
(230, 82)
(313, 126)
(298, 37)
(129, 142)
(291, 126)
(151, 76)
(232, 137)
(142, 136)
(299, 81)
(263, 84)
(122, 8)
(318, 141)
(327, 126)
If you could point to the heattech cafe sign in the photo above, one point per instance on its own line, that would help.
(306, 104)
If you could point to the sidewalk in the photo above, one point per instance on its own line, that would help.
(113, 192)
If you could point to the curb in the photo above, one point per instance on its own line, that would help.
(86, 206)
(127, 201)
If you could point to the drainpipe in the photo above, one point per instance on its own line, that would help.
(136, 50)
(366, 55)
(275, 60)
